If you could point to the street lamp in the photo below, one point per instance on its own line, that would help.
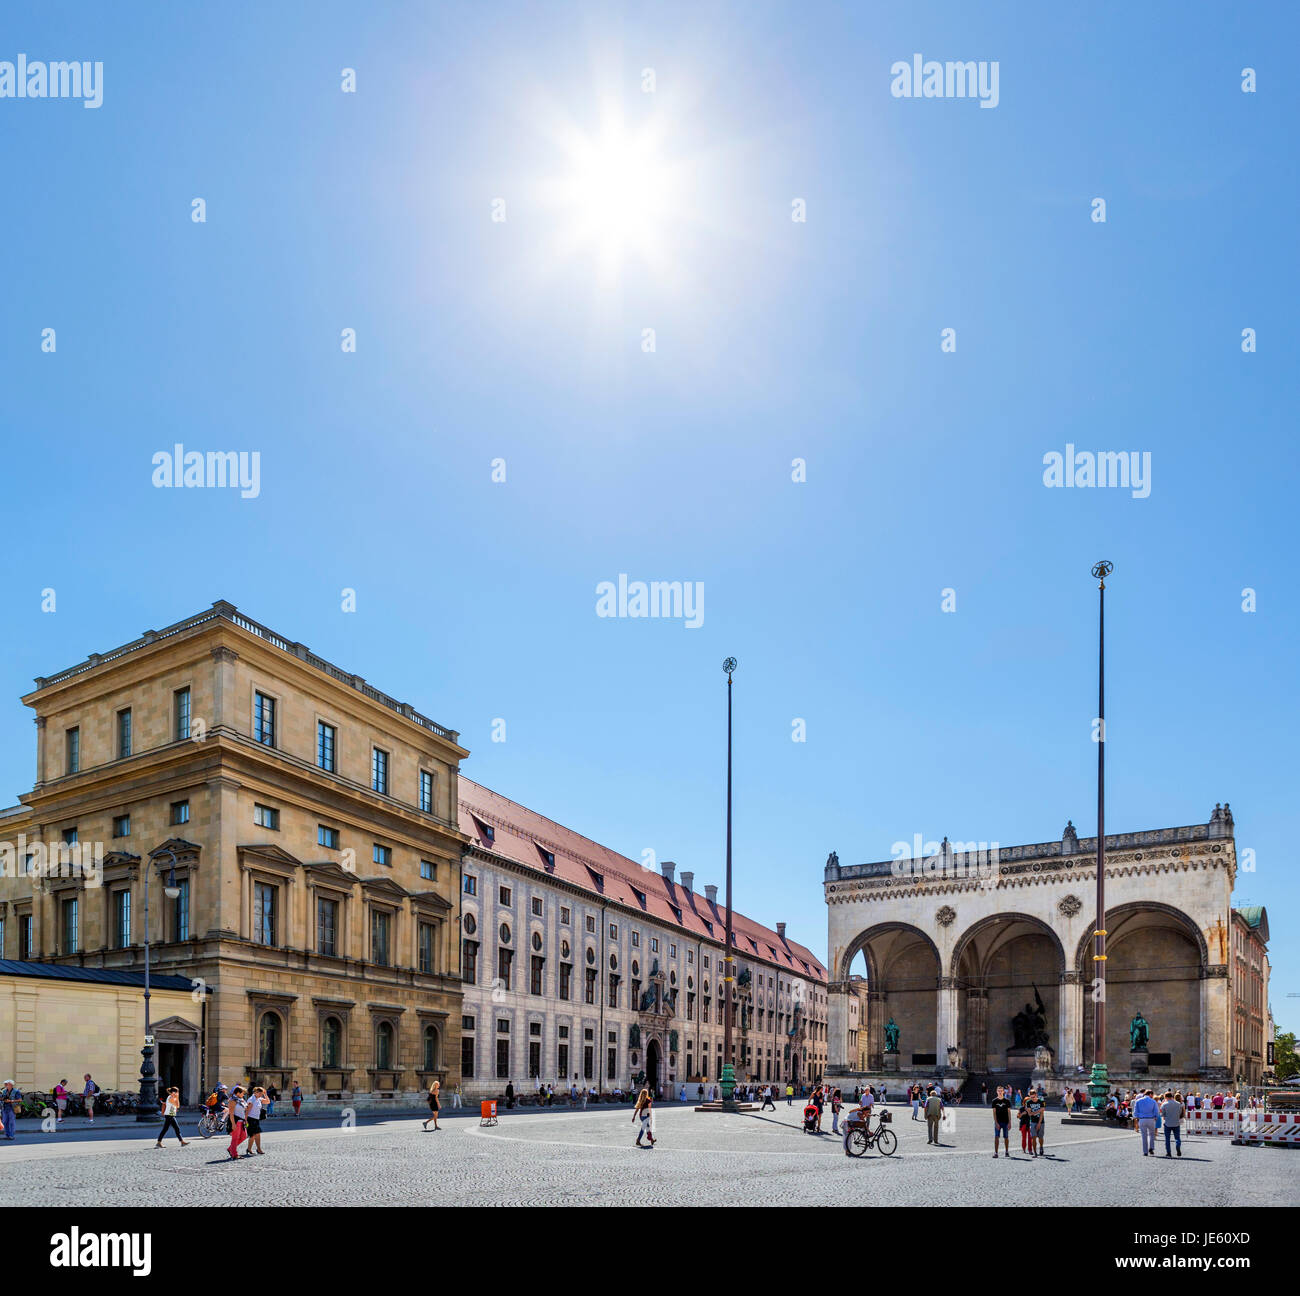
(1099, 1080)
(148, 1107)
(728, 1078)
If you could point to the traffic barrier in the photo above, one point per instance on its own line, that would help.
(487, 1112)
(1269, 1127)
(1210, 1122)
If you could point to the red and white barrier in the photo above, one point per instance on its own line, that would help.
(1208, 1121)
(1268, 1127)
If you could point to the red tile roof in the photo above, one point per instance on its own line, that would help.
(527, 838)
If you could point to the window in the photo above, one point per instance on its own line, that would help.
(69, 916)
(264, 719)
(327, 837)
(503, 895)
(591, 923)
(636, 940)
(382, 854)
(535, 979)
(566, 980)
(181, 714)
(425, 942)
(564, 915)
(503, 1059)
(380, 927)
(122, 826)
(268, 1040)
(331, 1042)
(611, 1065)
(587, 1059)
(537, 906)
(121, 918)
(426, 791)
(180, 813)
(379, 770)
(430, 1048)
(327, 927)
(24, 937)
(589, 992)
(72, 750)
(384, 1046)
(326, 740)
(469, 961)
(181, 910)
(503, 1025)
(263, 913)
(467, 1022)
(562, 1059)
(471, 884)
(613, 992)
(467, 1056)
(534, 1059)
(672, 950)
(654, 944)
(505, 960)
(427, 870)
(265, 817)
(124, 733)
(613, 931)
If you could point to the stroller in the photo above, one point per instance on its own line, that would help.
(810, 1119)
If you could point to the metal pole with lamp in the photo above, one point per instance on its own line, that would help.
(728, 1078)
(1099, 1080)
(147, 1110)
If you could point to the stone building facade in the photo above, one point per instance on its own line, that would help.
(1251, 1031)
(962, 949)
(307, 823)
(581, 966)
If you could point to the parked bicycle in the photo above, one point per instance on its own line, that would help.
(214, 1121)
(862, 1137)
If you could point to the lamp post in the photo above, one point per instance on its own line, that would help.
(1099, 1080)
(148, 1107)
(728, 960)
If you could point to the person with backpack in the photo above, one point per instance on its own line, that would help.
(171, 1104)
(88, 1092)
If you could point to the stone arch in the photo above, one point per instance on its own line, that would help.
(904, 969)
(860, 945)
(994, 920)
(1115, 918)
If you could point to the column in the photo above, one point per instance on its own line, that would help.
(977, 1028)
(875, 1028)
(945, 1019)
(1069, 1015)
(837, 1028)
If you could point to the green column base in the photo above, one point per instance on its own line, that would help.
(1098, 1086)
(728, 1084)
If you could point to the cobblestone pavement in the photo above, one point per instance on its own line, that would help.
(561, 1158)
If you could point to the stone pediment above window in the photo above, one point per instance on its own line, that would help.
(268, 856)
(120, 864)
(327, 871)
(186, 852)
(384, 886)
(431, 900)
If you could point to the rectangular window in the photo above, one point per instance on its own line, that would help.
(69, 836)
(589, 994)
(380, 926)
(379, 770)
(326, 737)
(504, 895)
(591, 923)
(181, 714)
(613, 931)
(427, 870)
(266, 817)
(467, 1056)
(327, 927)
(425, 961)
(503, 1059)
(471, 884)
(264, 719)
(537, 906)
(469, 961)
(562, 1061)
(180, 813)
(611, 1065)
(587, 1059)
(72, 750)
(636, 940)
(467, 1022)
(672, 950)
(426, 791)
(654, 944)
(566, 980)
(564, 915)
(505, 960)
(327, 837)
(69, 916)
(382, 854)
(535, 976)
(122, 826)
(534, 1059)
(263, 913)
(121, 919)
(24, 937)
(613, 992)
(124, 733)
(181, 911)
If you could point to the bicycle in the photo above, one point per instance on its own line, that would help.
(862, 1137)
(213, 1122)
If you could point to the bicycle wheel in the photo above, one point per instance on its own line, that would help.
(886, 1142)
(858, 1143)
(205, 1127)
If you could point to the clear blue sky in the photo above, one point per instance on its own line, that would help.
(775, 340)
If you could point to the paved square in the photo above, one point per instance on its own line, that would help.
(577, 1158)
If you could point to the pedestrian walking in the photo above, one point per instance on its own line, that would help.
(769, 1099)
(818, 1100)
(1037, 1110)
(916, 1102)
(254, 1110)
(789, 1094)
(1146, 1111)
(296, 1098)
(11, 1099)
(836, 1103)
(933, 1115)
(644, 1114)
(272, 1097)
(1002, 1122)
(1172, 1111)
(236, 1111)
(433, 1108)
(510, 1093)
(171, 1104)
(1023, 1116)
(984, 1094)
(88, 1092)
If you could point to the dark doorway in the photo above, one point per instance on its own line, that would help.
(171, 1069)
(652, 1067)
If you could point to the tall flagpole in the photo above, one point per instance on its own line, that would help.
(1099, 1081)
(728, 1078)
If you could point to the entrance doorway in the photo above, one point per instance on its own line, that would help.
(652, 1066)
(171, 1068)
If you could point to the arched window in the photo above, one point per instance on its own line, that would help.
(331, 1042)
(384, 1046)
(268, 1040)
(430, 1048)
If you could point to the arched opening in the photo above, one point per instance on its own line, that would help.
(430, 1048)
(652, 1066)
(331, 1042)
(903, 970)
(384, 1046)
(268, 1040)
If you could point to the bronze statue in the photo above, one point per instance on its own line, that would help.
(1030, 1026)
(891, 1036)
(1138, 1033)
